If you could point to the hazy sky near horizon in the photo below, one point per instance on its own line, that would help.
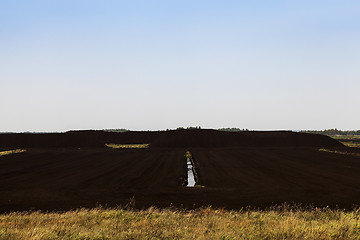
(147, 65)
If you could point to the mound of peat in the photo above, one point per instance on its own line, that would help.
(45, 140)
(214, 138)
(87, 138)
(168, 139)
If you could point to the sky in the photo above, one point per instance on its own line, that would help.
(149, 65)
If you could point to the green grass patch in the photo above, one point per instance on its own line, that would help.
(127, 146)
(205, 223)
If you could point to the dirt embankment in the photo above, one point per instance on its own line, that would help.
(87, 138)
(167, 139)
(214, 138)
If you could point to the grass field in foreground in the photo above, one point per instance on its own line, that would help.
(203, 223)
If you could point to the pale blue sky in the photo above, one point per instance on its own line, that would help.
(147, 65)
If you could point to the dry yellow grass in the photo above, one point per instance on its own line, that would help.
(3, 153)
(125, 146)
(204, 223)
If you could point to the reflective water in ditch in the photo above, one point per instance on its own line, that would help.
(191, 178)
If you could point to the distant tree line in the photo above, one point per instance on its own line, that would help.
(333, 132)
(233, 129)
(116, 130)
(182, 128)
(126, 130)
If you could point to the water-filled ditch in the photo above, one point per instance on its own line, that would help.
(190, 173)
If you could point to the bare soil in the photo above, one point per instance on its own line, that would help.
(275, 168)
